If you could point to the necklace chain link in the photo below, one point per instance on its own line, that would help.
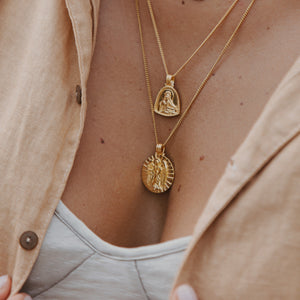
(196, 50)
(203, 83)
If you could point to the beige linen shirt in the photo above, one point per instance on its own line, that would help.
(246, 244)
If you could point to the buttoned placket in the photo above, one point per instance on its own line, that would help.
(84, 23)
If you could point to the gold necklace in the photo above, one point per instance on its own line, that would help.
(158, 172)
(167, 101)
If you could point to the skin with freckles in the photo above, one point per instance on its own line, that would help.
(104, 188)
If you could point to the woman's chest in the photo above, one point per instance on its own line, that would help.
(105, 188)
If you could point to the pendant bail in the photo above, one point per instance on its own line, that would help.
(170, 79)
(160, 149)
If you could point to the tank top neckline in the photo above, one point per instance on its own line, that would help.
(116, 252)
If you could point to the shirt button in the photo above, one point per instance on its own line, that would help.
(28, 240)
(78, 94)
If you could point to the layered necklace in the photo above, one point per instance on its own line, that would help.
(158, 171)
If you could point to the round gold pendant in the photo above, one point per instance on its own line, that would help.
(158, 172)
(167, 102)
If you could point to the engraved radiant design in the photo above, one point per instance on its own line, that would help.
(158, 171)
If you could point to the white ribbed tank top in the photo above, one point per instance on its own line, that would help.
(74, 263)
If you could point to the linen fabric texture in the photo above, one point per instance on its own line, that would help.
(246, 244)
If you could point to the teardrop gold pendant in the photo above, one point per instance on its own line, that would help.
(167, 102)
(158, 172)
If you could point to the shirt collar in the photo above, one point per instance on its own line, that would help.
(276, 127)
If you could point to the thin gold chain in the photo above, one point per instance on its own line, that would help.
(203, 83)
(200, 46)
(146, 70)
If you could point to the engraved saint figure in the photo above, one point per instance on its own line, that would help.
(167, 105)
(157, 174)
